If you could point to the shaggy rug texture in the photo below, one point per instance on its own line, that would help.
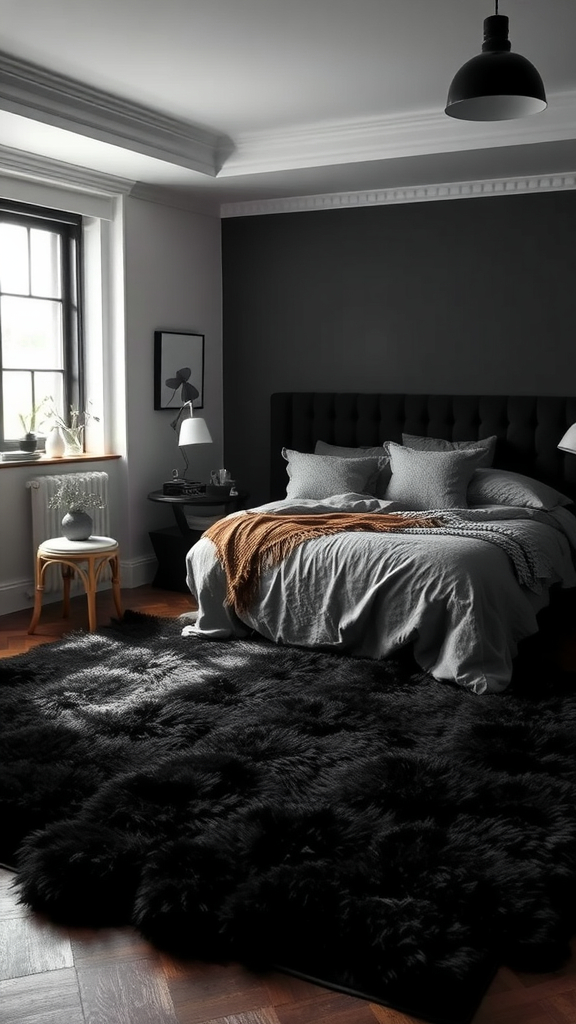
(351, 821)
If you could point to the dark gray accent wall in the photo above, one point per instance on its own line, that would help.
(466, 296)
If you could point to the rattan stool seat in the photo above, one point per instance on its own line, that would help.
(63, 546)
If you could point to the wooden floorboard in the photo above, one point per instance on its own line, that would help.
(14, 638)
(53, 975)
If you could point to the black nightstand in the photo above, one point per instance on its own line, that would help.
(172, 544)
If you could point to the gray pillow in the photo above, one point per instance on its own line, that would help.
(439, 444)
(320, 476)
(502, 487)
(431, 480)
(381, 452)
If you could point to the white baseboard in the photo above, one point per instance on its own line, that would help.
(138, 572)
(14, 596)
(19, 594)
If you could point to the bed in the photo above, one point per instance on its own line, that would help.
(460, 593)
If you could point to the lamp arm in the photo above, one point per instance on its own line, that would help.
(176, 421)
(187, 464)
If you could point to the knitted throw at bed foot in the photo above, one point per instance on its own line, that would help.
(254, 541)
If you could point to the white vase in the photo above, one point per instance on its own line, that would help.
(55, 444)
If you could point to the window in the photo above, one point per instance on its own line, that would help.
(41, 352)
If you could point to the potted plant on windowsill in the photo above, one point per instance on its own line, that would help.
(77, 523)
(29, 420)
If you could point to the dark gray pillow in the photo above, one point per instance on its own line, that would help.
(382, 479)
(320, 476)
(502, 487)
(431, 480)
(439, 444)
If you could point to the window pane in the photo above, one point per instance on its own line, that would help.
(17, 397)
(41, 353)
(22, 392)
(45, 263)
(49, 385)
(14, 259)
(31, 333)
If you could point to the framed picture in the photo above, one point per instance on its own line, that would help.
(178, 369)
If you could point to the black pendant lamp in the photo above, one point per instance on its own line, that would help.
(497, 85)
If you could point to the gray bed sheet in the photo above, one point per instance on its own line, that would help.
(463, 597)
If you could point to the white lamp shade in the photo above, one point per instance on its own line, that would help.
(194, 431)
(568, 442)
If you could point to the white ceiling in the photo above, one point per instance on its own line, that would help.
(223, 101)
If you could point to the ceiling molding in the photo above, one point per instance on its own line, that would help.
(392, 137)
(42, 95)
(19, 165)
(46, 170)
(32, 91)
(15, 163)
(394, 196)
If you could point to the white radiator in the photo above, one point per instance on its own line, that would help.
(47, 522)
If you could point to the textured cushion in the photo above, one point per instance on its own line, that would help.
(380, 452)
(502, 487)
(320, 476)
(439, 444)
(431, 480)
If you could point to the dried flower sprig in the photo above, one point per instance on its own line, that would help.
(74, 497)
(73, 431)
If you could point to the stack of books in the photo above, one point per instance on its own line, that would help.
(21, 456)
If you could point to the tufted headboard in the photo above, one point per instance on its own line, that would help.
(528, 427)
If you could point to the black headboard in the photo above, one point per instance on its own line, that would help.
(528, 427)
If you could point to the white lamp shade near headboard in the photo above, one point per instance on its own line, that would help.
(568, 442)
(194, 431)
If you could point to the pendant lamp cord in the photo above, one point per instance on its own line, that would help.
(496, 6)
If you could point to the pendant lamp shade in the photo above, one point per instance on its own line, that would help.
(496, 85)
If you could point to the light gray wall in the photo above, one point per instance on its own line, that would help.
(173, 282)
(170, 278)
(462, 296)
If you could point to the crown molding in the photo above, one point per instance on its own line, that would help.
(34, 92)
(394, 196)
(394, 136)
(17, 163)
(53, 99)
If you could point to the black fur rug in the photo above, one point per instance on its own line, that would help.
(351, 821)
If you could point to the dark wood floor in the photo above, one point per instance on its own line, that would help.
(53, 975)
(14, 637)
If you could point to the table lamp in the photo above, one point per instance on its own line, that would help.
(193, 430)
(568, 442)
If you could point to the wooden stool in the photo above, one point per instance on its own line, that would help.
(96, 552)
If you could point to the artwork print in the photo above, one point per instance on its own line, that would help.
(178, 369)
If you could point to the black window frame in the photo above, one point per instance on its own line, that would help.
(69, 226)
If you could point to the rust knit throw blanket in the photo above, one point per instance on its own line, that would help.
(251, 542)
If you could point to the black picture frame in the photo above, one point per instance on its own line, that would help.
(178, 361)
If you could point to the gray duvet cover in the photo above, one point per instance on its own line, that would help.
(463, 596)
